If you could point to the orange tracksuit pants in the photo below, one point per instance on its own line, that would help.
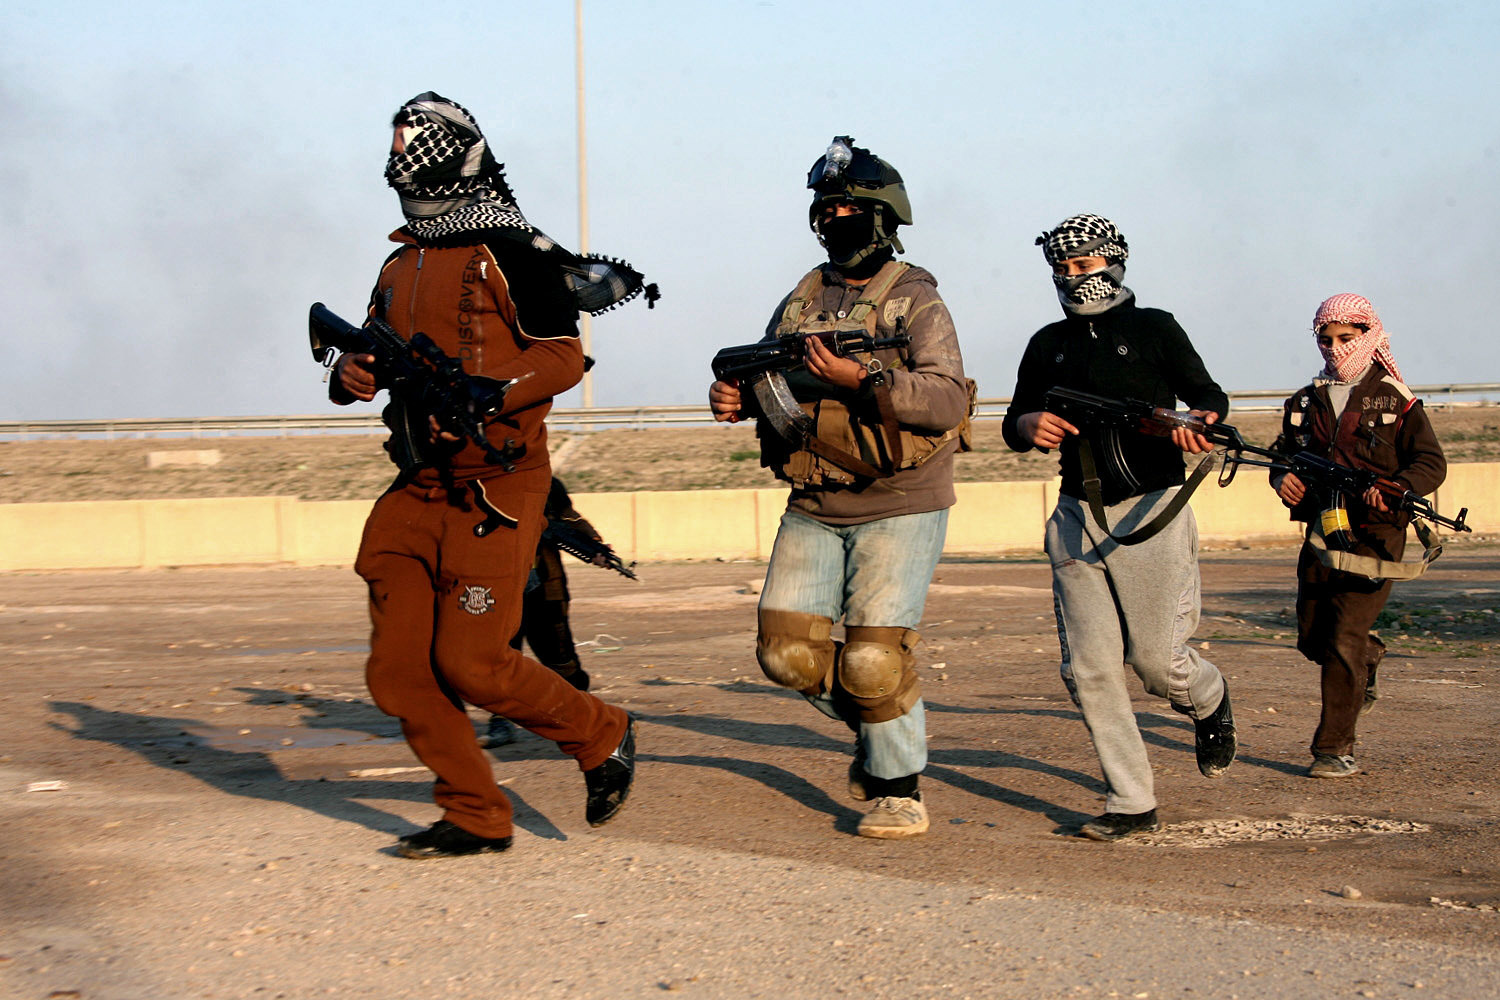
(444, 605)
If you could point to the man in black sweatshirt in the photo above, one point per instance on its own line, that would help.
(1134, 602)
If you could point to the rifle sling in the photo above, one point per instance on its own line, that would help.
(888, 421)
(1091, 487)
(1372, 566)
(843, 459)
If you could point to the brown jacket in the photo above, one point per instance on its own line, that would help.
(504, 314)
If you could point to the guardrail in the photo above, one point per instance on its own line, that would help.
(578, 418)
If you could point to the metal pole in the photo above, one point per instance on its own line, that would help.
(583, 195)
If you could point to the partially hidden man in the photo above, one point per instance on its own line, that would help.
(544, 607)
(867, 446)
(447, 550)
(1134, 604)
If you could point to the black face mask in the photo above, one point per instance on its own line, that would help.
(846, 235)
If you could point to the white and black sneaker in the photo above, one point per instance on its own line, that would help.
(1328, 765)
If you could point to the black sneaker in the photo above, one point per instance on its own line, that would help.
(1114, 826)
(500, 732)
(1214, 739)
(609, 783)
(444, 840)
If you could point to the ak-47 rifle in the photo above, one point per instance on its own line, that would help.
(760, 371)
(1315, 470)
(1101, 413)
(574, 542)
(420, 374)
(1087, 410)
(785, 354)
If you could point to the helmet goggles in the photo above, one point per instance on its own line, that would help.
(843, 167)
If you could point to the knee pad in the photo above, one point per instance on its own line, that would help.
(795, 649)
(877, 669)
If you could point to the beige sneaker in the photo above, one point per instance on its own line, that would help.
(892, 818)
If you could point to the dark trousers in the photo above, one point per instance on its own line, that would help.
(544, 626)
(1335, 612)
(444, 606)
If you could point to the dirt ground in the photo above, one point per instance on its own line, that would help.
(348, 467)
(197, 799)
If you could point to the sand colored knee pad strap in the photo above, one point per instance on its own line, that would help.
(795, 649)
(877, 669)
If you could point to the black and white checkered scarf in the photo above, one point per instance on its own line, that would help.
(450, 184)
(1088, 236)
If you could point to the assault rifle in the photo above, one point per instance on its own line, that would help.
(760, 370)
(1090, 412)
(574, 542)
(1315, 470)
(1086, 410)
(419, 373)
(785, 354)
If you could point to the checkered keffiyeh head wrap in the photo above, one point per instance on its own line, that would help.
(1088, 236)
(450, 184)
(1084, 236)
(446, 176)
(1347, 362)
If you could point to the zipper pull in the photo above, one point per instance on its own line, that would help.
(1092, 334)
(483, 265)
(421, 252)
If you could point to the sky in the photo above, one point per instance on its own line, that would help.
(183, 180)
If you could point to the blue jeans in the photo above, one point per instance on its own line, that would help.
(874, 574)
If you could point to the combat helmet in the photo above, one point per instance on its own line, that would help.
(850, 172)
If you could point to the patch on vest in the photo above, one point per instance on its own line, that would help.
(476, 600)
(895, 309)
(1388, 404)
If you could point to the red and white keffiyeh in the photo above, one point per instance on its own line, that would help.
(1347, 362)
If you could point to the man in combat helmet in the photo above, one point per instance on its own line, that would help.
(866, 441)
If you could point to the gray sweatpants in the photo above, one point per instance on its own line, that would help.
(1128, 604)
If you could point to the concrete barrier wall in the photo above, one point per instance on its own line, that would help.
(701, 524)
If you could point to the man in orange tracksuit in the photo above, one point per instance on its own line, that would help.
(447, 550)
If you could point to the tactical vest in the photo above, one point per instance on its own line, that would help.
(848, 445)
